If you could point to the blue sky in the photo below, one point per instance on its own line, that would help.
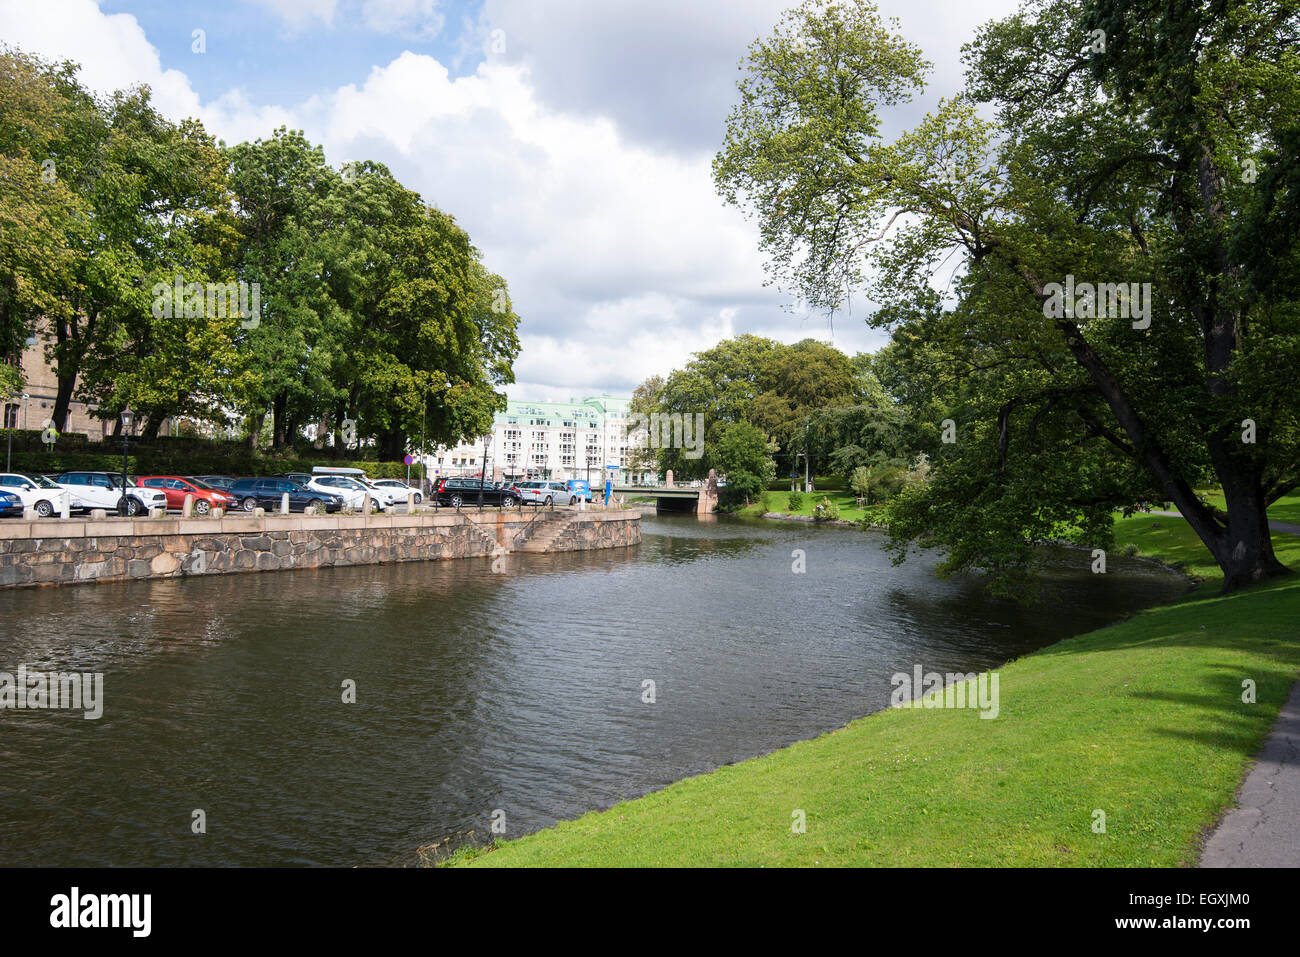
(282, 57)
(571, 138)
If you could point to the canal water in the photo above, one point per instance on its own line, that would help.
(476, 691)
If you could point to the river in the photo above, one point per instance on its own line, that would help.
(476, 691)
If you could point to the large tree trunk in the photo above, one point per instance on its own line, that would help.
(1244, 547)
(63, 398)
(152, 424)
(255, 429)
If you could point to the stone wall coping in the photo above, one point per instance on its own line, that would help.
(248, 524)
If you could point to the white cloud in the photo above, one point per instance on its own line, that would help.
(621, 259)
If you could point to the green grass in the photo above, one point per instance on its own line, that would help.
(1285, 509)
(1143, 720)
(846, 502)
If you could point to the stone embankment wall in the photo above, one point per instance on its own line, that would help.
(51, 551)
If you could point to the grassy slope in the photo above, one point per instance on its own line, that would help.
(1143, 720)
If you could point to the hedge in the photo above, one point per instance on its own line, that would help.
(170, 456)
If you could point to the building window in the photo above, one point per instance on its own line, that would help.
(11, 416)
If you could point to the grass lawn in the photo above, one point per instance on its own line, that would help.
(846, 502)
(1142, 720)
(1285, 509)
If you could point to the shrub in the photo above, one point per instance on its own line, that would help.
(826, 511)
(741, 489)
(794, 501)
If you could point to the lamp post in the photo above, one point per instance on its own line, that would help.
(128, 419)
(9, 430)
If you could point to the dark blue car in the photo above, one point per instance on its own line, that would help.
(265, 493)
(10, 505)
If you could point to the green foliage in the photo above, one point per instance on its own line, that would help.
(373, 306)
(742, 448)
(860, 481)
(742, 488)
(1150, 161)
(826, 511)
(794, 501)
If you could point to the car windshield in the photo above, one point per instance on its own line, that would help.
(201, 485)
(41, 481)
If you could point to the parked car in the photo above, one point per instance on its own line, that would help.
(11, 505)
(465, 491)
(545, 493)
(104, 490)
(401, 488)
(221, 483)
(36, 492)
(386, 496)
(349, 489)
(298, 478)
(266, 492)
(579, 488)
(206, 498)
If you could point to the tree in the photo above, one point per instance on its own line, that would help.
(1123, 156)
(719, 384)
(744, 456)
(642, 456)
(420, 320)
(281, 185)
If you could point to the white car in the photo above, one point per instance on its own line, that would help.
(37, 492)
(384, 496)
(104, 490)
(352, 491)
(401, 488)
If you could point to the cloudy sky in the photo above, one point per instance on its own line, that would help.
(571, 138)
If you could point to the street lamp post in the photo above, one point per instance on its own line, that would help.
(128, 419)
(9, 430)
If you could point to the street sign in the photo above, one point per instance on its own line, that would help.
(410, 460)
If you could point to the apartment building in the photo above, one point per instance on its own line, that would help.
(547, 440)
(34, 405)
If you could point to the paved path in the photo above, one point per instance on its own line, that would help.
(1263, 829)
(1273, 524)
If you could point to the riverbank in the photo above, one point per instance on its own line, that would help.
(1142, 721)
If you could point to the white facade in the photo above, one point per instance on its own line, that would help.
(546, 440)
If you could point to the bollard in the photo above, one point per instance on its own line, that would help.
(187, 507)
(29, 515)
(217, 513)
(98, 515)
(410, 503)
(284, 504)
(157, 513)
(259, 513)
(66, 510)
(365, 504)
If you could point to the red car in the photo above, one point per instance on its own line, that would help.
(206, 498)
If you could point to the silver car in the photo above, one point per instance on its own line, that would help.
(545, 493)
